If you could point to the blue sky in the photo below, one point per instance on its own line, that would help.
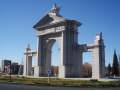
(17, 18)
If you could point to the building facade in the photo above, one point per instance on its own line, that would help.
(5, 66)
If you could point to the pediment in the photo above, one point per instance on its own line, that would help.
(48, 19)
(44, 21)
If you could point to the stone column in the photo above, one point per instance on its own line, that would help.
(37, 61)
(41, 57)
(98, 63)
(27, 62)
(62, 57)
(70, 64)
(79, 63)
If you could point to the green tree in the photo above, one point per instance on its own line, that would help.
(115, 66)
(119, 64)
(109, 70)
(87, 70)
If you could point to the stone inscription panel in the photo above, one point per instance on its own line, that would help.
(51, 30)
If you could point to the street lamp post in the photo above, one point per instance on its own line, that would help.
(10, 71)
(49, 73)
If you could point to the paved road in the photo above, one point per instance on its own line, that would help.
(27, 87)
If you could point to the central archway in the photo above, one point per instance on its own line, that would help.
(53, 56)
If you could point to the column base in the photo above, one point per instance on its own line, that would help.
(36, 71)
(61, 72)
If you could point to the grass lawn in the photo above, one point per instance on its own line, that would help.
(59, 82)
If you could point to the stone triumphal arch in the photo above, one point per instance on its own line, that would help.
(53, 27)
